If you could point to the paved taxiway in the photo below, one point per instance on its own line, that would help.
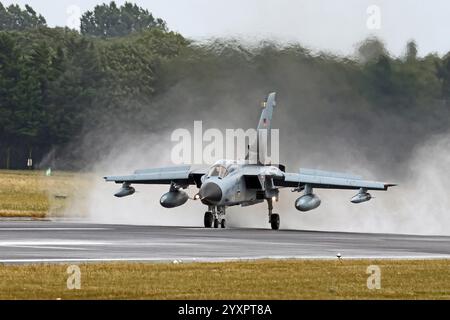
(52, 241)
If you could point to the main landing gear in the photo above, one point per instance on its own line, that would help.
(274, 218)
(215, 217)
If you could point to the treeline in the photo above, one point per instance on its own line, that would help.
(125, 72)
(54, 81)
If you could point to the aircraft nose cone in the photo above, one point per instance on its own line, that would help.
(210, 193)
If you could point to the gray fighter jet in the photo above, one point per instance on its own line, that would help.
(230, 183)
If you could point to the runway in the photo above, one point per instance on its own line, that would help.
(53, 241)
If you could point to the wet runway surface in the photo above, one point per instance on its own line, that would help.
(53, 241)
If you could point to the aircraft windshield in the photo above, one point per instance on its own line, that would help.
(218, 171)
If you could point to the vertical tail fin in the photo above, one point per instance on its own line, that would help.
(259, 148)
(265, 122)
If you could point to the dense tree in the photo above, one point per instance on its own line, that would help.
(411, 51)
(445, 76)
(20, 97)
(112, 21)
(371, 49)
(14, 18)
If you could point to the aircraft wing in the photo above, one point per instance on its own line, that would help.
(328, 180)
(181, 175)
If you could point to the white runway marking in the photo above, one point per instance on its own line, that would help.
(56, 244)
(53, 229)
(45, 243)
(50, 247)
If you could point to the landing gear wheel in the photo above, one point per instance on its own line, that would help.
(223, 224)
(208, 220)
(216, 223)
(275, 221)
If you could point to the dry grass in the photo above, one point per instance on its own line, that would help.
(32, 194)
(288, 279)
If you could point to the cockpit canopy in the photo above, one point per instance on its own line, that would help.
(217, 170)
(222, 168)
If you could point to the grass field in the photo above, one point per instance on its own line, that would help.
(288, 279)
(32, 194)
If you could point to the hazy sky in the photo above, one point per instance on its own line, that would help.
(331, 25)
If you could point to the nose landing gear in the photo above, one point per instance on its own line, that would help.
(215, 218)
(208, 219)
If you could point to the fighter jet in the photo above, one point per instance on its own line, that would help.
(232, 182)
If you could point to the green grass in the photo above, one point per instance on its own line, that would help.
(269, 279)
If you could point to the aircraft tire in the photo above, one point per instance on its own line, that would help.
(208, 220)
(275, 221)
(216, 223)
(223, 224)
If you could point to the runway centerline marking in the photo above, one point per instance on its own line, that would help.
(45, 243)
(52, 247)
(49, 244)
(53, 229)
